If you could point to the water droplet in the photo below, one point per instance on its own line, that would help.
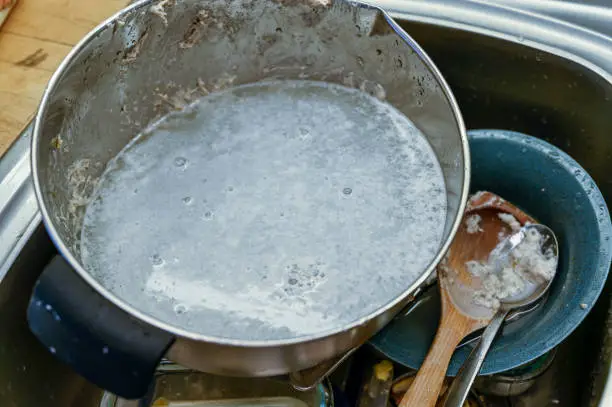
(230, 188)
(187, 200)
(180, 162)
(180, 308)
(347, 191)
(52, 349)
(208, 215)
(292, 281)
(156, 260)
(105, 350)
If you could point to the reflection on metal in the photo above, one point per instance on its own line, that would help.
(588, 47)
(18, 208)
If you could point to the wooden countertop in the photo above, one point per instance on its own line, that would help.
(33, 41)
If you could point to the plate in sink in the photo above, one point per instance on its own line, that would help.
(552, 187)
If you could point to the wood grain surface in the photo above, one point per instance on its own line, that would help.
(33, 41)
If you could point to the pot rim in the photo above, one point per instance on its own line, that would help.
(180, 332)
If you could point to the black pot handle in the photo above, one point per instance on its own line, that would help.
(104, 344)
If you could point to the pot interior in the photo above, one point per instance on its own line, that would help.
(158, 57)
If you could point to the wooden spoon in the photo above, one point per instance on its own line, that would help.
(460, 315)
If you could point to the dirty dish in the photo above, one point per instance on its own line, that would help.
(558, 192)
(474, 284)
(543, 264)
(133, 96)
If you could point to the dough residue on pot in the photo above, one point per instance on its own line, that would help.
(159, 9)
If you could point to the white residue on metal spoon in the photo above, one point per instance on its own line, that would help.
(159, 9)
(528, 264)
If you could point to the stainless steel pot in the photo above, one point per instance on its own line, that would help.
(138, 66)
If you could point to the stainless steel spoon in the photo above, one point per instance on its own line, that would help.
(460, 387)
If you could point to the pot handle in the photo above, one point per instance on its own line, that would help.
(96, 338)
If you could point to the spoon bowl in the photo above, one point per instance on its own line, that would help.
(535, 289)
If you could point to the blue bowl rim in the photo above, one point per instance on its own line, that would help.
(596, 200)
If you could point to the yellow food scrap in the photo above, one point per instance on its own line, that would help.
(56, 142)
(161, 402)
(383, 370)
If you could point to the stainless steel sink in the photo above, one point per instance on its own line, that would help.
(509, 68)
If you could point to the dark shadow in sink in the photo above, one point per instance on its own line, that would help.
(29, 374)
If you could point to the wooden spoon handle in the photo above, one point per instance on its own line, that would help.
(427, 384)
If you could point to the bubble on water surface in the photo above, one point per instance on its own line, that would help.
(180, 308)
(180, 162)
(157, 261)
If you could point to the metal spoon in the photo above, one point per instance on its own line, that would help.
(459, 389)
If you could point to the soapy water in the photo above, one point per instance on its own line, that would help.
(268, 211)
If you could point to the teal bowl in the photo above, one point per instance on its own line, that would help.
(548, 184)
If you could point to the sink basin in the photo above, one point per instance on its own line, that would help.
(508, 68)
